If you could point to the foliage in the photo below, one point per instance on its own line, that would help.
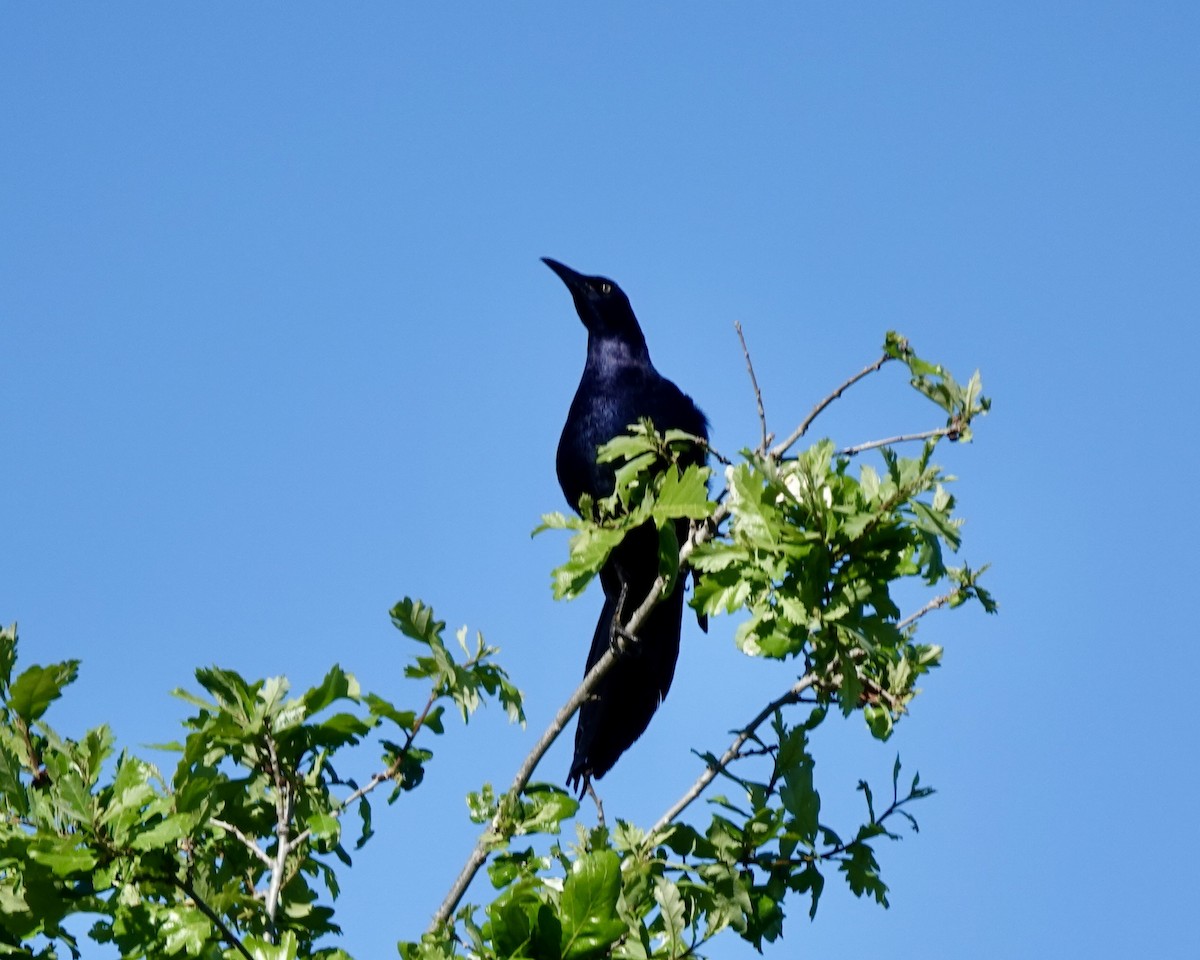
(236, 853)
(230, 856)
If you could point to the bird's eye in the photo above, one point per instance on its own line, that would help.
(606, 288)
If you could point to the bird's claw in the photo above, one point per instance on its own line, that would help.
(620, 639)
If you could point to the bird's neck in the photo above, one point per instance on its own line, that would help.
(612, 353)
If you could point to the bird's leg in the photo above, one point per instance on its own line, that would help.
(591, 792)
(619, 638)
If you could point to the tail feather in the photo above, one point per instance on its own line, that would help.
(619, 711)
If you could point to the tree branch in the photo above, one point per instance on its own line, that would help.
(478, 856)
(781, 448)
(701, 533)
(214, 918)
(247, 842)
(283, 819)
(762, 415)
(935, 604)
(710, 772)
(381, 776)
(902, 438)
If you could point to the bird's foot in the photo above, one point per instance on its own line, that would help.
(620, 639)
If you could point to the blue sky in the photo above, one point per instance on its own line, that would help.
(278, 350)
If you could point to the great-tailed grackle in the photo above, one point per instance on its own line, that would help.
(619, 387)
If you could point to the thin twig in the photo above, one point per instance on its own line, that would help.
(483, 845)
(700, 534)
(710, 773)
(716, 454)
(762, 415)
(226, 934)
(382, 776)
(781, 448)
(247, 842)
(934, 604)
(902, 438)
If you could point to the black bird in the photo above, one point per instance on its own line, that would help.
(619, 387)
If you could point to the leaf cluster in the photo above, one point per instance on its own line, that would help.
(637, 896)
(654, 483)
(810, 554)
(236, 853)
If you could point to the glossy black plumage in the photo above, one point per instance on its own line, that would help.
(619, 386)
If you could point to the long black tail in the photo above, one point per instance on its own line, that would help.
(620, 710)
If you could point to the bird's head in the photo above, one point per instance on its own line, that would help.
(600, 303)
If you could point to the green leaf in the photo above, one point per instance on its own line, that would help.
(862, 872)
(851, 689)
(505, 868)
(543, 807)
(794, 765)
(325, 827)
(364, 813)
(185, 931)
(637, 442)
(588, 907)
(288, 948)
(233, 693)
(722, 592)
(866, 792)
(433, 720)
(556, 521)
(938, 523)
(8, 655)
(683, 496)
(380, 707)
(164, 834)
(809, 880)
(63, 855)
(765, 921)
(626, 477)
(589, 549)
(511, 928)
(337, 685)
(37, 687)
(671, 912)
(415, 620)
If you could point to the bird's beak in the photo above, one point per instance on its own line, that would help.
(574, 281)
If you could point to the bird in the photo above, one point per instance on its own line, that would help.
(619, 387)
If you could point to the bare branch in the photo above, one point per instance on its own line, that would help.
(935, 604)
(283, 824)
(762, 415)
(781, 448)
(710, 773)
(247, 842)
(902, 438)
(716, 454)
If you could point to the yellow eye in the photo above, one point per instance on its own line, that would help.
(606, 288)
